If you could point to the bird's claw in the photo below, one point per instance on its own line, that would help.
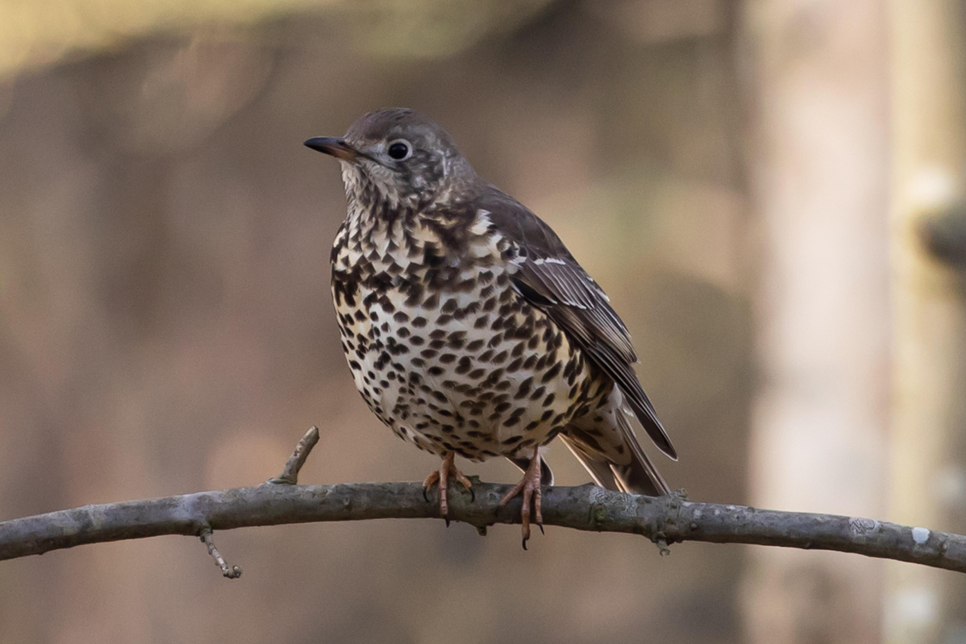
(529, 489)
(442, 475)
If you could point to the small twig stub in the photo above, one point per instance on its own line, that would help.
(290, 475)
(232, 572)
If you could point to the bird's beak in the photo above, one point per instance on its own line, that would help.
(333, 146)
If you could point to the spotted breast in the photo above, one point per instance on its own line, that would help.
(441, 345)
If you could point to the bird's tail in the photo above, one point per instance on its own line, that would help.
(609, 450)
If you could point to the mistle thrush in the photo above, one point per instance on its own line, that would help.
(469, 327)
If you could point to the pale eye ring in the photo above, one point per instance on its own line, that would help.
(400, 150)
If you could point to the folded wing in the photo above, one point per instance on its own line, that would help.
(552, 280)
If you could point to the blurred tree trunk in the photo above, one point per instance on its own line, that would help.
(929, 443)
(819, 171)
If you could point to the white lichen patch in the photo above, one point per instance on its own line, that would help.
(920, 536)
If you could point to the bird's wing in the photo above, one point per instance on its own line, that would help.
(552, 280)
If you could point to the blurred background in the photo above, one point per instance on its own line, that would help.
(771, 191)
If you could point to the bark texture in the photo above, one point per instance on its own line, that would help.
(664, 520)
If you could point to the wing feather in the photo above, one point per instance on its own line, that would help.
(552, 280)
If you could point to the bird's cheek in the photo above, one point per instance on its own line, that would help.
(418, 182)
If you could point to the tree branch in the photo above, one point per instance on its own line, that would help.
(664, 520)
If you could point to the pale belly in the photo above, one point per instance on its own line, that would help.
(481, 373)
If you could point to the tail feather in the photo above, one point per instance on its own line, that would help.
(609, 450)
(637, 477)
(641, 473)
(594, 462)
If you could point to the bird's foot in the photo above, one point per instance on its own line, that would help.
(442, 475)
(529, 488)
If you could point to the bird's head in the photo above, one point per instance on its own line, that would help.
(402, 157)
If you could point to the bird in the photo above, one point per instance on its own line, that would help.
(468, 326)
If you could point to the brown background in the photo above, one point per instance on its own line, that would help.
(166, 325)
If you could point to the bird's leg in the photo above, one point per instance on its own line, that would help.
(447, 469)
(529, 488)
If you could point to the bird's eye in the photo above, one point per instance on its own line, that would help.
(399, 150)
